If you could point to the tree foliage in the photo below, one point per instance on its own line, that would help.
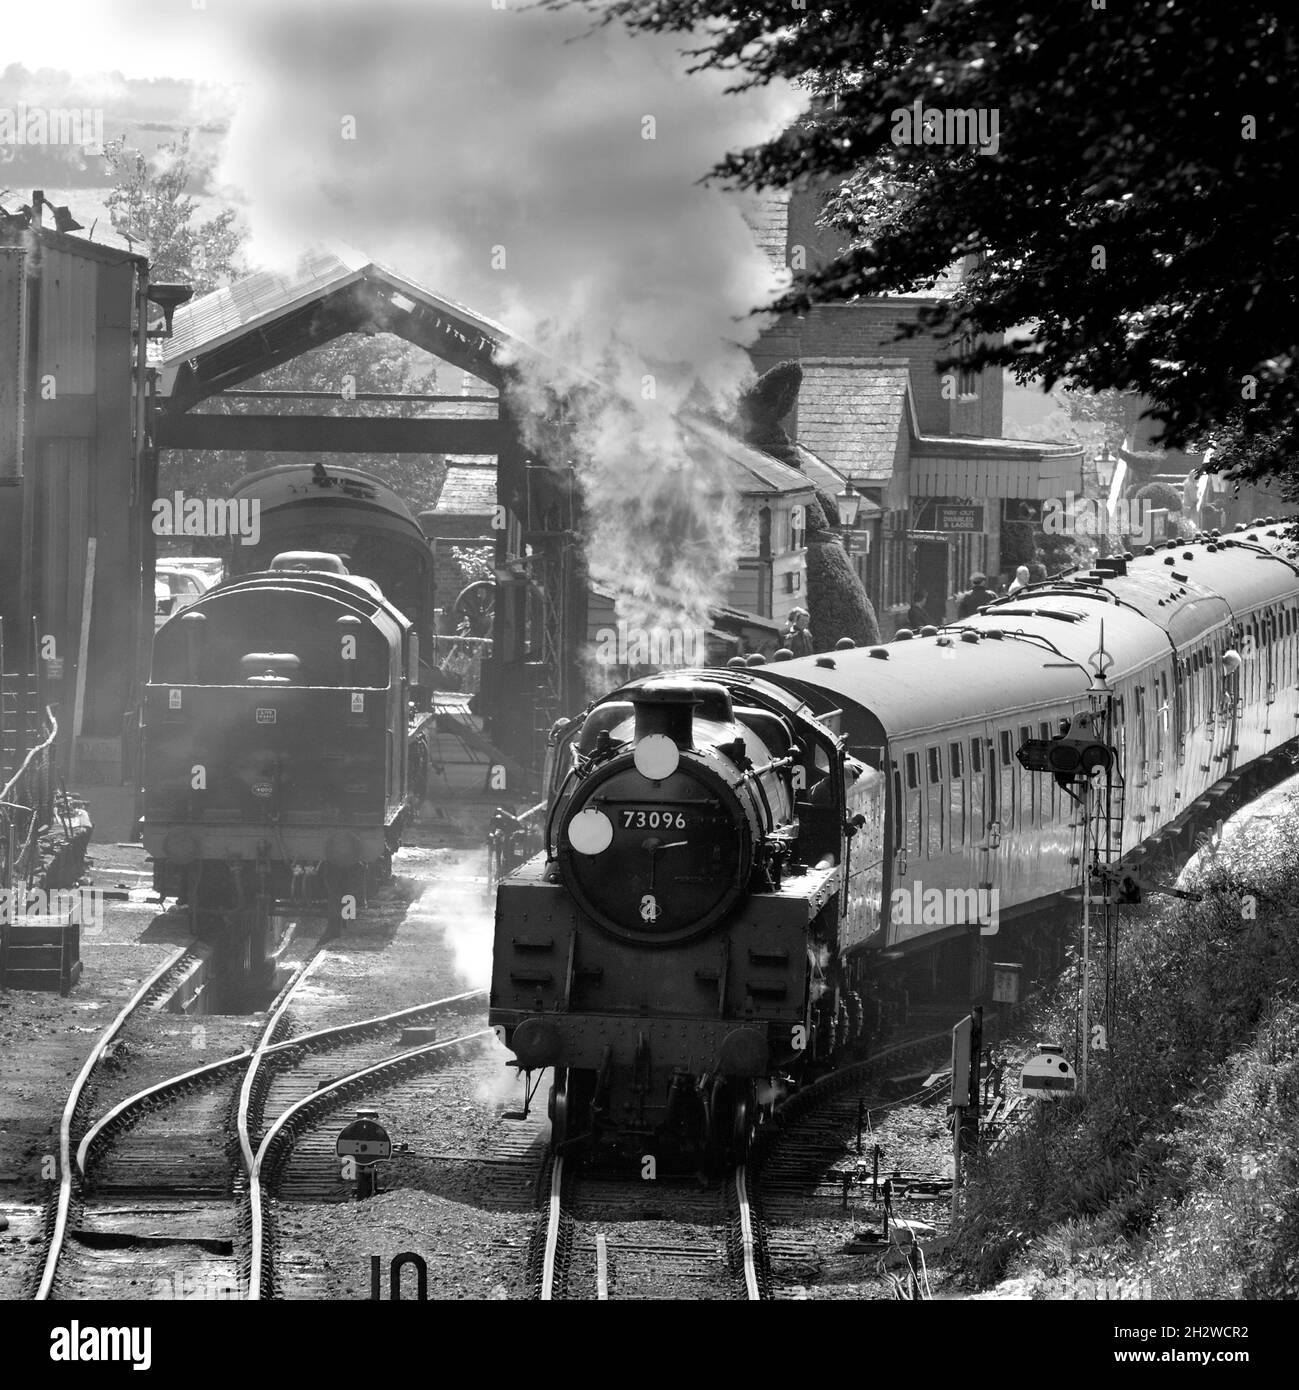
(837, 605)
(1160, 495)
(1136, 208)
(150, 204)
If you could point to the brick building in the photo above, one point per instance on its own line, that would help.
(924, 448)
(461, 521)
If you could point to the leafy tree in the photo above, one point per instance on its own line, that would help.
(1135, 206)
(150, 204)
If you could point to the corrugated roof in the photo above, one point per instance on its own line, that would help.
(851, 413)
(469, 490)
(828, 479)
(752, 470)
(213, 318)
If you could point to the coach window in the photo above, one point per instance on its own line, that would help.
(934, 797)
(1027, 783)
(915, 825)
(956, 765)
(976, 790)
(1161, 715)
(1047, 785)
(1180, 698)
(1140, 696)
(899, 810)
(1006, 781)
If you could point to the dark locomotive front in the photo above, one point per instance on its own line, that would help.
(276, 748)
(657, 954)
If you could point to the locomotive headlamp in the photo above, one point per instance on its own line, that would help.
(656, 756)
(590, 831)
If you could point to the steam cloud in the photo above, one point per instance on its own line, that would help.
(499, 157)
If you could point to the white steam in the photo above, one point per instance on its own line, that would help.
(547, 176)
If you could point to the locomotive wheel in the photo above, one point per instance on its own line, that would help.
(570, 1106)
(557, 1108)
(741, 1128)
(730, 1122)
(476, 605)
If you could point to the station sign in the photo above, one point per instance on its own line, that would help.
(952, 518)
(1005, 982)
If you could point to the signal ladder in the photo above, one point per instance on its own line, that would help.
(1103, 881)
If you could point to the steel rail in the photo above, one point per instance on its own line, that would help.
(58, 1231)
(340, 1032)
(319, 1099)
(748, 1242)
(554, 1223)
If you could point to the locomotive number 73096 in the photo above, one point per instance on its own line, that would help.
(653, 820)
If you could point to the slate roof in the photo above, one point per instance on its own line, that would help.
(851, 413)
(469, 490)
(768, 217)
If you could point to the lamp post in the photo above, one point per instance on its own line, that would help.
(849, 503)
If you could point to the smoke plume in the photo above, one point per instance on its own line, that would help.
(545, 173)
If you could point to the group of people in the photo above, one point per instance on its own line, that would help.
(982, 590)
(797, 639)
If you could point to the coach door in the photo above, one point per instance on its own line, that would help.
(995, 783)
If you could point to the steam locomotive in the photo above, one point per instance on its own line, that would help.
(286, 721)
(732, 855)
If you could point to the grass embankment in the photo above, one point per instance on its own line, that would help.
(1178, 1176)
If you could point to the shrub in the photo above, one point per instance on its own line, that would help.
(836, 601)
(1160, 496)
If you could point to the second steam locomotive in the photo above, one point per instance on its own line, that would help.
(287, 720)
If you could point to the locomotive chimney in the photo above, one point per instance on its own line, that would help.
(666, 708)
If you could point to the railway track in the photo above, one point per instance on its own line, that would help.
(805, 1169)
(610, 1236)
(166, 1196)
(59, 1210)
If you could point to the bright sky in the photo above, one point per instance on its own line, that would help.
(196, 39)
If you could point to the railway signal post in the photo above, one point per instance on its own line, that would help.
(360, 1146)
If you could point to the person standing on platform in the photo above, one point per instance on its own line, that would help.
(976, 597)
(796, 637)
